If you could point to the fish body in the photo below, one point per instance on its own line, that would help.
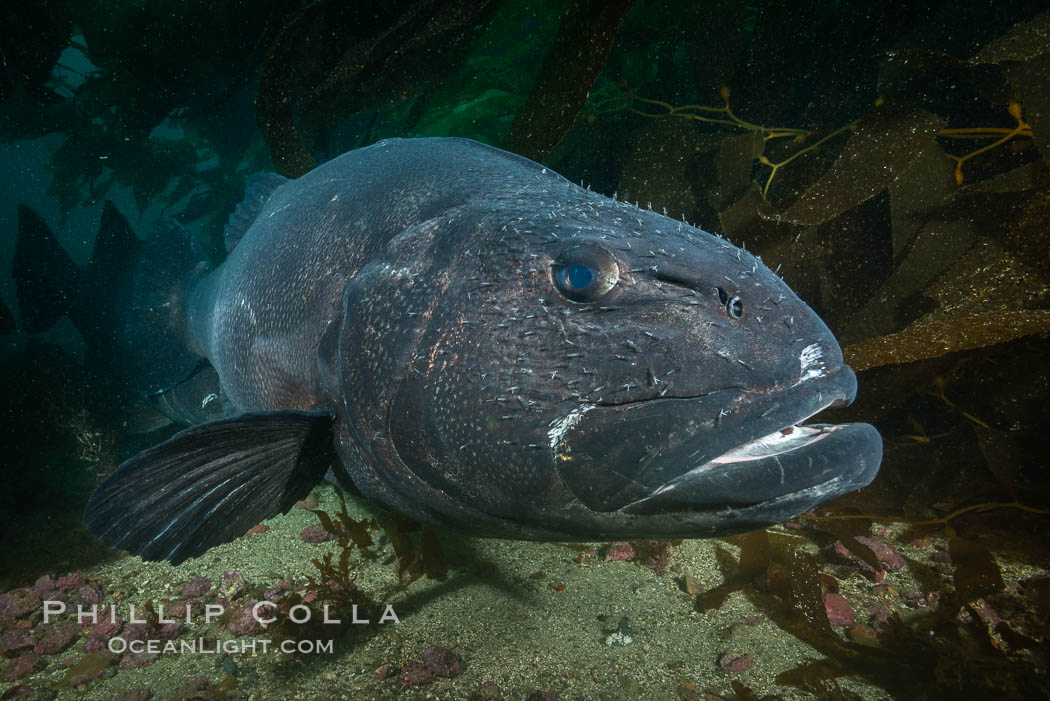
(464, 336)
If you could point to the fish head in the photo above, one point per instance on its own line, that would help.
(573, 367)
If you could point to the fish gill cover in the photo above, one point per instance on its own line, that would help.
(890, 164)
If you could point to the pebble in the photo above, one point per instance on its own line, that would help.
(197, 586)
(316, 534)
(619, 551)
(840, 613)
(442, 661)
(415, 673)
(71, 582)
(23, 666)
(736, 663)
(622, 636)
(57, 639)
(233, 584)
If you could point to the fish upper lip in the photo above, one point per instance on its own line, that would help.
(839, 396)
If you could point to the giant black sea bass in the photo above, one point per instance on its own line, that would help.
(461, 335)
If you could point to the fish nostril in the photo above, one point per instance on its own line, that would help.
(734, 305)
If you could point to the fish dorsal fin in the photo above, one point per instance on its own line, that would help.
(115, 243)
(257, 190)
(210, 483)
(46, 278)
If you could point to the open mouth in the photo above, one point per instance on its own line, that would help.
(726, 449)
(798, 462)
(784, 440)
(777, 443)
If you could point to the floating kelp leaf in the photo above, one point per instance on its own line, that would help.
(933, 250)
(984, 272)
(1031, 81)
(274, 110)
(854, 255)
(934, 335)
(883, 144)
(434, 564)
(933, 81)
(1023, 53)
(669, 183)
(917, 192)
(835, 266)
(990, 279)
(331, 57)
(569, 69)
(1023, 42)
(358, 532)
(810, 675)
(1010, 296)
(736, 160)
(1029, 236)
(1004, 454)
(1026, 177)
(943, 475)
(806, 595)
(481, 118)
(76, 162)
(754, 554)
(159, 162)
(976, 572)
(749, 221)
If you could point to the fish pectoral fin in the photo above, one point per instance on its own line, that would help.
(210, 483)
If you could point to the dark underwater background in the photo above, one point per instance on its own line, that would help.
(889, 160)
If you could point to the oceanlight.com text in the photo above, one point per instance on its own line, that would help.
(203, 646)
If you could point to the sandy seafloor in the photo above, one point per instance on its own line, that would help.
(513, 626)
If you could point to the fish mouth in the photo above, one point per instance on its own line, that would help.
(785, 472)
(726, 451)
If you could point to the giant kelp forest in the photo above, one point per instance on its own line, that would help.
(889, 160)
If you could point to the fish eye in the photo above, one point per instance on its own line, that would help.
(584, 273)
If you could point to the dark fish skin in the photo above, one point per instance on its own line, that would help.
(477, 342)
